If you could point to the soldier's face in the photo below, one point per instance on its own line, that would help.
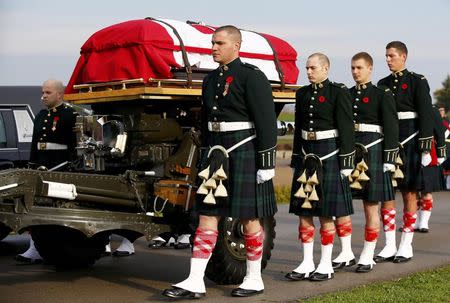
(395, 60)
(315, 70)
(224, 48)
(50, 95)
(361, 71)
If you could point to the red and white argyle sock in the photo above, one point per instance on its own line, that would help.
(409, 222)
(344, 231)
(254, 245)
(204, 243)
(388, 217)
(306, 236)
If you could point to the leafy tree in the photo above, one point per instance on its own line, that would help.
(442, 95)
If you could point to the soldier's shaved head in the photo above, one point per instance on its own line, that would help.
(232, 31)
(52, 93)
(323, 59)
(56, 84)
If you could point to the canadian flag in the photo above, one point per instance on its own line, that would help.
(151, 48)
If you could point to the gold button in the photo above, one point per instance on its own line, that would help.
(45, 120)
(221, 74)
(45, 135)
(43, 128)
(217, 97)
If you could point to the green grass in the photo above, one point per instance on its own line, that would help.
(286, 116)
(426, 287)
(282, 194)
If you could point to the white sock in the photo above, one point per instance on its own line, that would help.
(307, 266)
(367, 253)
(390, 247)
(253, 279)
(194, 281)
(325, 266)
(424, 217)
(31, 252)
(405, 247)
(126, 245)
(346, 253)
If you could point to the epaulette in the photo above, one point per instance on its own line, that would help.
(422, 77)
(382, 88)
(248, 65)
(341, 85)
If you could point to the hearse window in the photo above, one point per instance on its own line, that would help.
(24, 125)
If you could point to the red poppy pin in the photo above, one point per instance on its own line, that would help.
(228, 81)
(404, 86)
(321, 99)
(365, 100)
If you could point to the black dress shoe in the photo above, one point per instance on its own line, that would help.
(157, 244)
(361, 268)
(317, 277)
(380, 259)
(422, 230)
(119, 253)
(401, 259)
(180, 293)
(26, 260)
(295, 276)
(181, 245)
(240, 292)
(339, 265)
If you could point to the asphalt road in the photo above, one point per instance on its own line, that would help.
(142, 277)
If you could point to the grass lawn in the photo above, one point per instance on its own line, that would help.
(426, 287)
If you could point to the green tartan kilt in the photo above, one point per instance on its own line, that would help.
(336, 197)
(246, 198)
(379, 187)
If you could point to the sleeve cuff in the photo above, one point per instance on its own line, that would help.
(441, 152)
(294, 160)
(389, 155)
(347, 161)
(425, 144)
(266, 158)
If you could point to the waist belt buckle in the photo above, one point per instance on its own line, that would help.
(215, 126)
(356, 127)
(311, 135)
(42, 146)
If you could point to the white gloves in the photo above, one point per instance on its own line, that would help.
(346, 172)
(441, 160)
(388, 167)
(263, 175)
(426, 159)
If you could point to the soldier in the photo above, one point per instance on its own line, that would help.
(412, 95)
(53, 141)
(323, 156)
(239, 121)
(432, 174)
(376, 134)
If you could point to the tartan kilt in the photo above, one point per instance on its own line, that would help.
(336, 195)
(412, 167)
(246, 198)
(379, 187)
(433, 179)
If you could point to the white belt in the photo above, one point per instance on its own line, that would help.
(407, 115)
(229, 126)
(320, 135)
(50, 146)
(373, 128)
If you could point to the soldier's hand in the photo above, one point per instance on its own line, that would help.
(346, 172)
(263, 175)
(426, 159)
(440, 160)
(388, 167)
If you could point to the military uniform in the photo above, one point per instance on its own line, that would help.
(375, 118)
(324, 125)
(53, 137)
(412, 96)
(238, 103)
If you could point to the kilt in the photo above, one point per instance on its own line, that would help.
(433, 179)
(336, 195)
(412, 167)
(379, 187)
(246, 198)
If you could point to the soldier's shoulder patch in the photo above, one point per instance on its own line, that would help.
(341, 85)
(248, 65)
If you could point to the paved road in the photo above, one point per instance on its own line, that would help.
(142, 277)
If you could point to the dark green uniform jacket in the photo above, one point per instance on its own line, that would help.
(325, 106)
(439, 133)
(240, 92)
(412, 94)
(373, 105)
(53, 126)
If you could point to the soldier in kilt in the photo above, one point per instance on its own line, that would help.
(412, 96)
(373, 111)
(239, 133)
(432, 174)
(322, 159)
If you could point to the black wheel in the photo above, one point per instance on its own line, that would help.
(227, 263)
(4, 231)
(66, 247)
